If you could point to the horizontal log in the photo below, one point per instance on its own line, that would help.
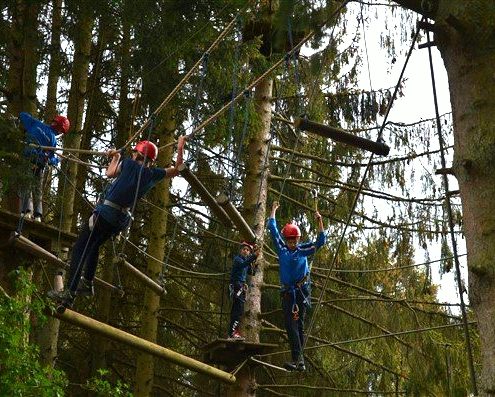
(205, 195)
(340, 135)
(148, 281)
(236, 217)
(27, 245)
(143, 345)
(427, 44)
(444, 171)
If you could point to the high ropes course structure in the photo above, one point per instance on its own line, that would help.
(42, 240)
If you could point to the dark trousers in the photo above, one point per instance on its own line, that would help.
(31, 196)
(238, 295)
(295, 327)
(86, 250)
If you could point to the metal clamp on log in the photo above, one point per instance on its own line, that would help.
(342, 136)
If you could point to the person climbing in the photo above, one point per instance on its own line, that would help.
(243, 264)
(134, 177)
(39, 133)
(295, 281)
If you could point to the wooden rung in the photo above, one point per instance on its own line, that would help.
(143, 345)
(340, 135)
(148, 281)
(444, 171)
(427, 44)
(236, 217)
(27, 245)
(205, 195)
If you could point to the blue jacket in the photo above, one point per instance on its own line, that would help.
(40, 134)
(240, 268)
(293, 264)
(123, 191)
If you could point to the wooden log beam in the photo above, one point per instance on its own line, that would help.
(236, 217)
(205, 195)
(342, 136)
(27, 245)
(143, 345)
(148, 281)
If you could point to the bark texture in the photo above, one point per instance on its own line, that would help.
(465, 32)
(159, 196)
(75, 110)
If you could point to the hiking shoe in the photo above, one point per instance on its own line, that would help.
(300, 366)
(37, 218)
(290, 366)
(85, 288)
(65, 297)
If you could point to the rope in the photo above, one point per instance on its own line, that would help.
(360, 188)
(374, 337)
(254, 83)
(184, 80)
(136, 193)
(453, 241)
(69, 150)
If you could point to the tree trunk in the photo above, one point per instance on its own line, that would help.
(464, 35)
(54, 68)
(93, 114)
(100, 345)
(124, 117)
(22, 53)
(77, 95)
(255, 195)
(157, 244)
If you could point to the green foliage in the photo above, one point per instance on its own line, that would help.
(21, 373)
(101, 387)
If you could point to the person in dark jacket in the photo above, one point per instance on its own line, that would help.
(243, 264)
(134, 177)
(42, 134)
(294, 275)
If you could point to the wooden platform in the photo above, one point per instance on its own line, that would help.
(39, 232)
(231, 352)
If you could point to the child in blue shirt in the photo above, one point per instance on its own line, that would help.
(294, 277)
(243, 264)
(134, 177)
(41, 134)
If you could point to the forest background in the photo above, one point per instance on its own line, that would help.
(377, 326)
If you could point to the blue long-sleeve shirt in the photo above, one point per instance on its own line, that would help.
(293, 264)
(240, 268)
(41, 134)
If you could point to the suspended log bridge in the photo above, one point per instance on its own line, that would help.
(236, 217)
(148, 281)
(205, 195)
(30, 247)
(232, 352)
(143, 345)
(342, 136)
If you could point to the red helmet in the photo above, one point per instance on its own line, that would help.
(247, 244)
(291, 231)
(61, 124)
(147, 149)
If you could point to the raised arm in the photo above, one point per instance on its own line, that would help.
(113, 168)
(272, 227)
(321, 231)
(174, 171)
